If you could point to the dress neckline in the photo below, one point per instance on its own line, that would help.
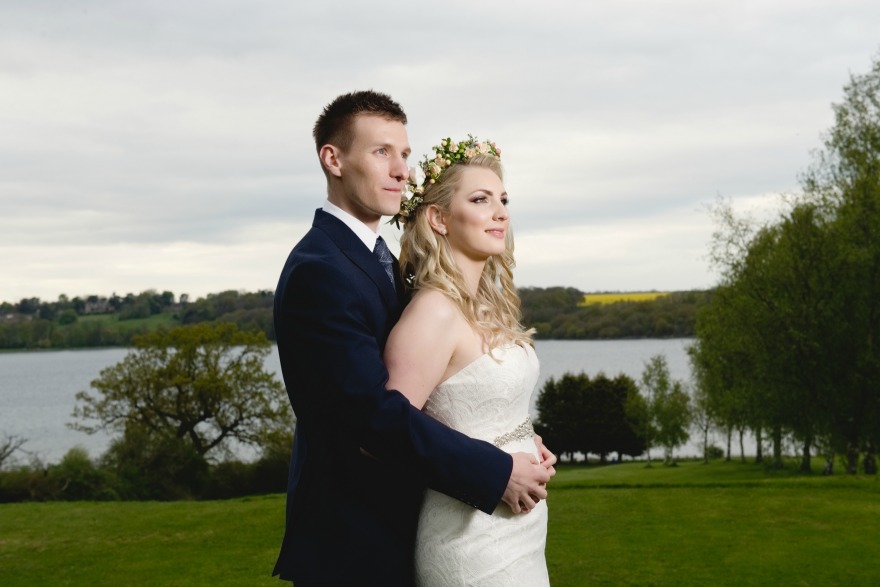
(499, 352)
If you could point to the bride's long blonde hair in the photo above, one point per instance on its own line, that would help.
(427, 263)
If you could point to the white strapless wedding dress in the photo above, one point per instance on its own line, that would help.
(458, 545)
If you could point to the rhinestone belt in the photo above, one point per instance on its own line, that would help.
(521, 432)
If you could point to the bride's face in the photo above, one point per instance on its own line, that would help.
(478, 219)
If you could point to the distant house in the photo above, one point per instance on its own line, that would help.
(17, 317)
(100, 306)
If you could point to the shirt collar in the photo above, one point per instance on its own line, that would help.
(361, 230)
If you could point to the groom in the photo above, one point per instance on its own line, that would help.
(362, 454)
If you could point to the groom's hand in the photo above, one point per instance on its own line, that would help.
(527, 484)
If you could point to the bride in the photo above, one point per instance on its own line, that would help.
(462, 355)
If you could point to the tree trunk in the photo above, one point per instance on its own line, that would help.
(870, 461)
(805, 456)
(759, 443)
(777, 447)
(742, 448)
(706, 445)
(852, 458)
(729, 435)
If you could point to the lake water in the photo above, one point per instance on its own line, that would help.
(38, 389)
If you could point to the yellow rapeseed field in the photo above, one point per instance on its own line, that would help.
(610, 298)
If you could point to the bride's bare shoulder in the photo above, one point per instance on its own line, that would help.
(432, 305)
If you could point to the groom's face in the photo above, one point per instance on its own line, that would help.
(374, 168)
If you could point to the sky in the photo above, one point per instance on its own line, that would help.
(167, 145)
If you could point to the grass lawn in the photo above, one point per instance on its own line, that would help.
(717, 524)
(182, 544)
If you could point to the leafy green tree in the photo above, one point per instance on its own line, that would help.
(639, 421)
(560, 413)
(673, 416)
(668, 408)
(150, 464)
(590, 416)
(28, 306)
(798, 304)
(725, 371)
(766, 323)
(606, 427)
(733, 356)
(78, 478)
(67, 317)
(702, 419)
(204, 384)
(845, 182)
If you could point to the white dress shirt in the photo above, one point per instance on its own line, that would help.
(363, 232)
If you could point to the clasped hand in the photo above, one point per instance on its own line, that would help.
(528, 479)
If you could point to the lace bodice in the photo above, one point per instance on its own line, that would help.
(490, 397)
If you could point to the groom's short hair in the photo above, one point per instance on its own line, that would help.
(334, 126)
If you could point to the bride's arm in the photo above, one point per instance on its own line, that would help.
(420, 346)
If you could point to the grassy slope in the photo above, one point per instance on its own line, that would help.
(112, 322)
(721, 524)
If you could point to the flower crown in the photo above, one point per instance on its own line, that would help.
(445, 154)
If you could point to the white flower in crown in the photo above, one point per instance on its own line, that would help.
(416, 175)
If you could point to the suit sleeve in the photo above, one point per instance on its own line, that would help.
(328, 324)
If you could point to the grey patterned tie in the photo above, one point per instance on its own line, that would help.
(385, 258)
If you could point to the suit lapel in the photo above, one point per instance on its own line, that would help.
(353, 248)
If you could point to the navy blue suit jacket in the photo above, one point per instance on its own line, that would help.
(362, 454)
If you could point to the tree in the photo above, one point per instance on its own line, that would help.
(845, 181)
(67, 317)
(726, 369)
(149, 464)
(767, 322)
(639, 421)
(560, 412)
(702, 419)
(8, 446)
(605, 426)
(668, 408)
(673, 416)
(798, 307)
(204, 384)
(577, 414)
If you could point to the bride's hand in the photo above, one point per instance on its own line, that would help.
(548, 459)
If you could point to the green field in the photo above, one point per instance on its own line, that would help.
(112, 322)
(611, 298)
(695, 524)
